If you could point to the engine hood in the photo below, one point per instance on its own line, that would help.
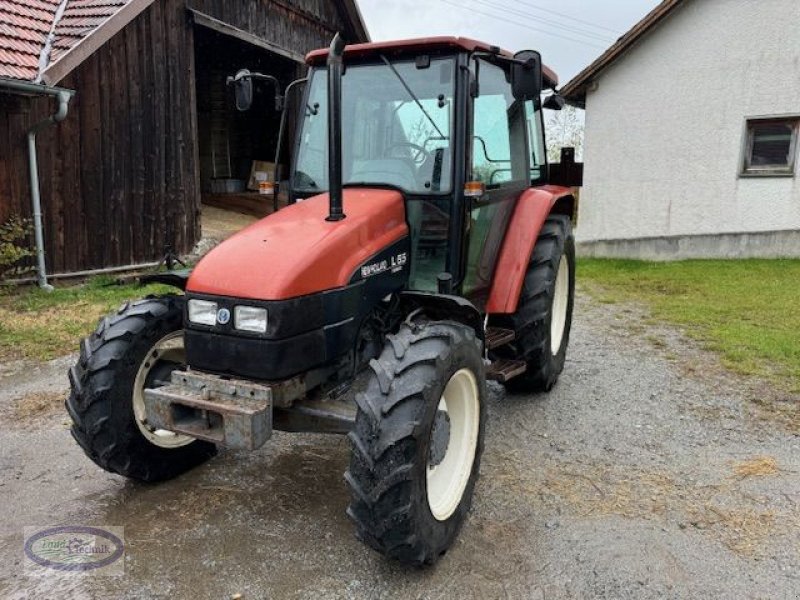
(296, 252)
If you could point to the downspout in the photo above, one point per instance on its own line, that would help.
(63, 99)
(63, 96)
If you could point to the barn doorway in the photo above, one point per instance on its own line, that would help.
(234, 146)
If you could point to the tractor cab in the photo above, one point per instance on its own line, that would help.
(454, 125)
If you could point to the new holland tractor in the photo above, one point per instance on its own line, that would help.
(425, 249)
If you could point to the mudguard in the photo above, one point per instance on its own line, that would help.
(532, 209)
(444, 307)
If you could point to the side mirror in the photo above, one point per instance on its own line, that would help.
(526, 75)
(554, 102)
(243, 87)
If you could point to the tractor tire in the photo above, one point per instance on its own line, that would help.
(137, 347)
(418, 441)
(543, 318)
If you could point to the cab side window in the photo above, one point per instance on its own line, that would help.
(535, 131)
(498, 130)
(499, 161)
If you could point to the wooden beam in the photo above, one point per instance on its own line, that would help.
(357, 21)
(210, 22)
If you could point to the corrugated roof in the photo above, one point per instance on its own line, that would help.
(575, 90)
(26, 24)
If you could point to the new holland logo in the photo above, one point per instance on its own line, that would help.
(223, 316)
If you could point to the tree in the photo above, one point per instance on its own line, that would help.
(564, 128)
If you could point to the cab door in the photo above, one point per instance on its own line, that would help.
(500, 160)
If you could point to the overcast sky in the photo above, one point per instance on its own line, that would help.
(569, 33)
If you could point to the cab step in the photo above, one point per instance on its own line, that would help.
(505, 369)
(497, 336)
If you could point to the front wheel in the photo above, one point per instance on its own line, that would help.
(136, 348)
(418, 441)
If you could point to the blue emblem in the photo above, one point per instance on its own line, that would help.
(223, 316)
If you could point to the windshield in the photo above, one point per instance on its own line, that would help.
(396, 127)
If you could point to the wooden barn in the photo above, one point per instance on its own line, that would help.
(147, 126)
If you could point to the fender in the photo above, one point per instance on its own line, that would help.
(176, 279)
(444, 306)
(532, 209)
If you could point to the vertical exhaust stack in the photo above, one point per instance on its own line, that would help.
(335, 67)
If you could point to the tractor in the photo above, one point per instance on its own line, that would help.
(426, 247)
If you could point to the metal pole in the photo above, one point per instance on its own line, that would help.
(36, 201)
(41, 270)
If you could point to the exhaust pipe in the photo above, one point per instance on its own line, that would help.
(335, 67)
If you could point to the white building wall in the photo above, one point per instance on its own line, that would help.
(665, 125)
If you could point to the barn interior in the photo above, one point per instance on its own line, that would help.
(230, 141)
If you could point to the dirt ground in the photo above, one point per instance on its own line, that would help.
(218, 223)
(648, 472)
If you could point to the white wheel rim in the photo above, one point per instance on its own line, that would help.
(558, 319)
(169, 348)
(447, 480)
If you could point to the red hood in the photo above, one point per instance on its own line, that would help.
(296, 252)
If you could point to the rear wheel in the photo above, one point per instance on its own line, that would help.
(136, 348)
(543, 318)
(418, 442)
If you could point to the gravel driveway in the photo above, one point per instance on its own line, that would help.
(648, 472)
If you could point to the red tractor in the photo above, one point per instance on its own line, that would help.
(425, 249)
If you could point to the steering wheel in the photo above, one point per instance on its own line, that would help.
(418, 159)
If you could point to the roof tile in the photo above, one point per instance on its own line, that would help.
(25, 25)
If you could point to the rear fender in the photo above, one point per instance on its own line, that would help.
(444, 307)
(532, 209)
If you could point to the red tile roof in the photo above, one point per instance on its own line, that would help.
(81, 18)
(26, 24)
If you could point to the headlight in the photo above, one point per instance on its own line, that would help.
(250, 318)
(203, 312)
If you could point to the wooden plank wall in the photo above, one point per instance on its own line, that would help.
(119, 177)
(297, 25)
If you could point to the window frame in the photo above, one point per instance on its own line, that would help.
(747, 170)
(494, 190)
(544, 167)
(313, 71)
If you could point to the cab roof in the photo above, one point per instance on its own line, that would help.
(416, 45)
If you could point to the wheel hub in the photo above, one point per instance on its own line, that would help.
(440, 438)
(558, 318)
(166, 355)
(453, 444)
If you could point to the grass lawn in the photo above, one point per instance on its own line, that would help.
(746, 310)
(41, 326)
